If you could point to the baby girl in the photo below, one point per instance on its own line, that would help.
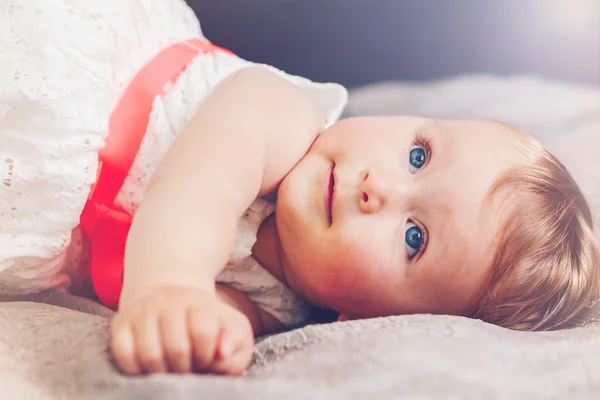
(211, 200)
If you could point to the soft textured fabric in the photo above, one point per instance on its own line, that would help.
(62, 68)
(410, 357)
(58, 89)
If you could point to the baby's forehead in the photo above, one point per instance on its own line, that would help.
(498, 137)
(490, 126)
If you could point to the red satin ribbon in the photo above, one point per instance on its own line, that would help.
(104, 223)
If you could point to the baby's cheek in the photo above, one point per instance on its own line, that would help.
(352, 279)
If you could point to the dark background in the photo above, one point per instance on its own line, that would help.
(355, 42)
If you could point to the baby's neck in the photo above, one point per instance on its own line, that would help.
(267, 249)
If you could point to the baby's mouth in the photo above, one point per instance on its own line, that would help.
(328, 195)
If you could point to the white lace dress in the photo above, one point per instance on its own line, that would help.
(63, 67)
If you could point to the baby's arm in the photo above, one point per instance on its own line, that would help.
(241, 143)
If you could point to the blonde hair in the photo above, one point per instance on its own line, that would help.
(545, 267)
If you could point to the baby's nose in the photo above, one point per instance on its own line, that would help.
(378, 188)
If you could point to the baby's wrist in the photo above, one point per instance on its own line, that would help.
(134, 293)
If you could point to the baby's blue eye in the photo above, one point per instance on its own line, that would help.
(417, 158)
(413, 239)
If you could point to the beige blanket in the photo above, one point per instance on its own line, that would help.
(48, 352)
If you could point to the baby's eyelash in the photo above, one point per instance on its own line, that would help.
(423, 142)
(419, 253)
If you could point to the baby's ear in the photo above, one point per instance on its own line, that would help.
(343, 318)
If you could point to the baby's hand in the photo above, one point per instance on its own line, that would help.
(181, 329)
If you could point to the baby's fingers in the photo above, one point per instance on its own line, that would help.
(204, 329)
(234, 353)
(176, 342)
(122, 348)
(149, 346)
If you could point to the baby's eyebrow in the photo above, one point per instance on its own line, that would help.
(436, 126)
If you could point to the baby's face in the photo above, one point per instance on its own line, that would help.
(390, 215)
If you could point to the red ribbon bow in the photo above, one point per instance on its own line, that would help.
(103, 222)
